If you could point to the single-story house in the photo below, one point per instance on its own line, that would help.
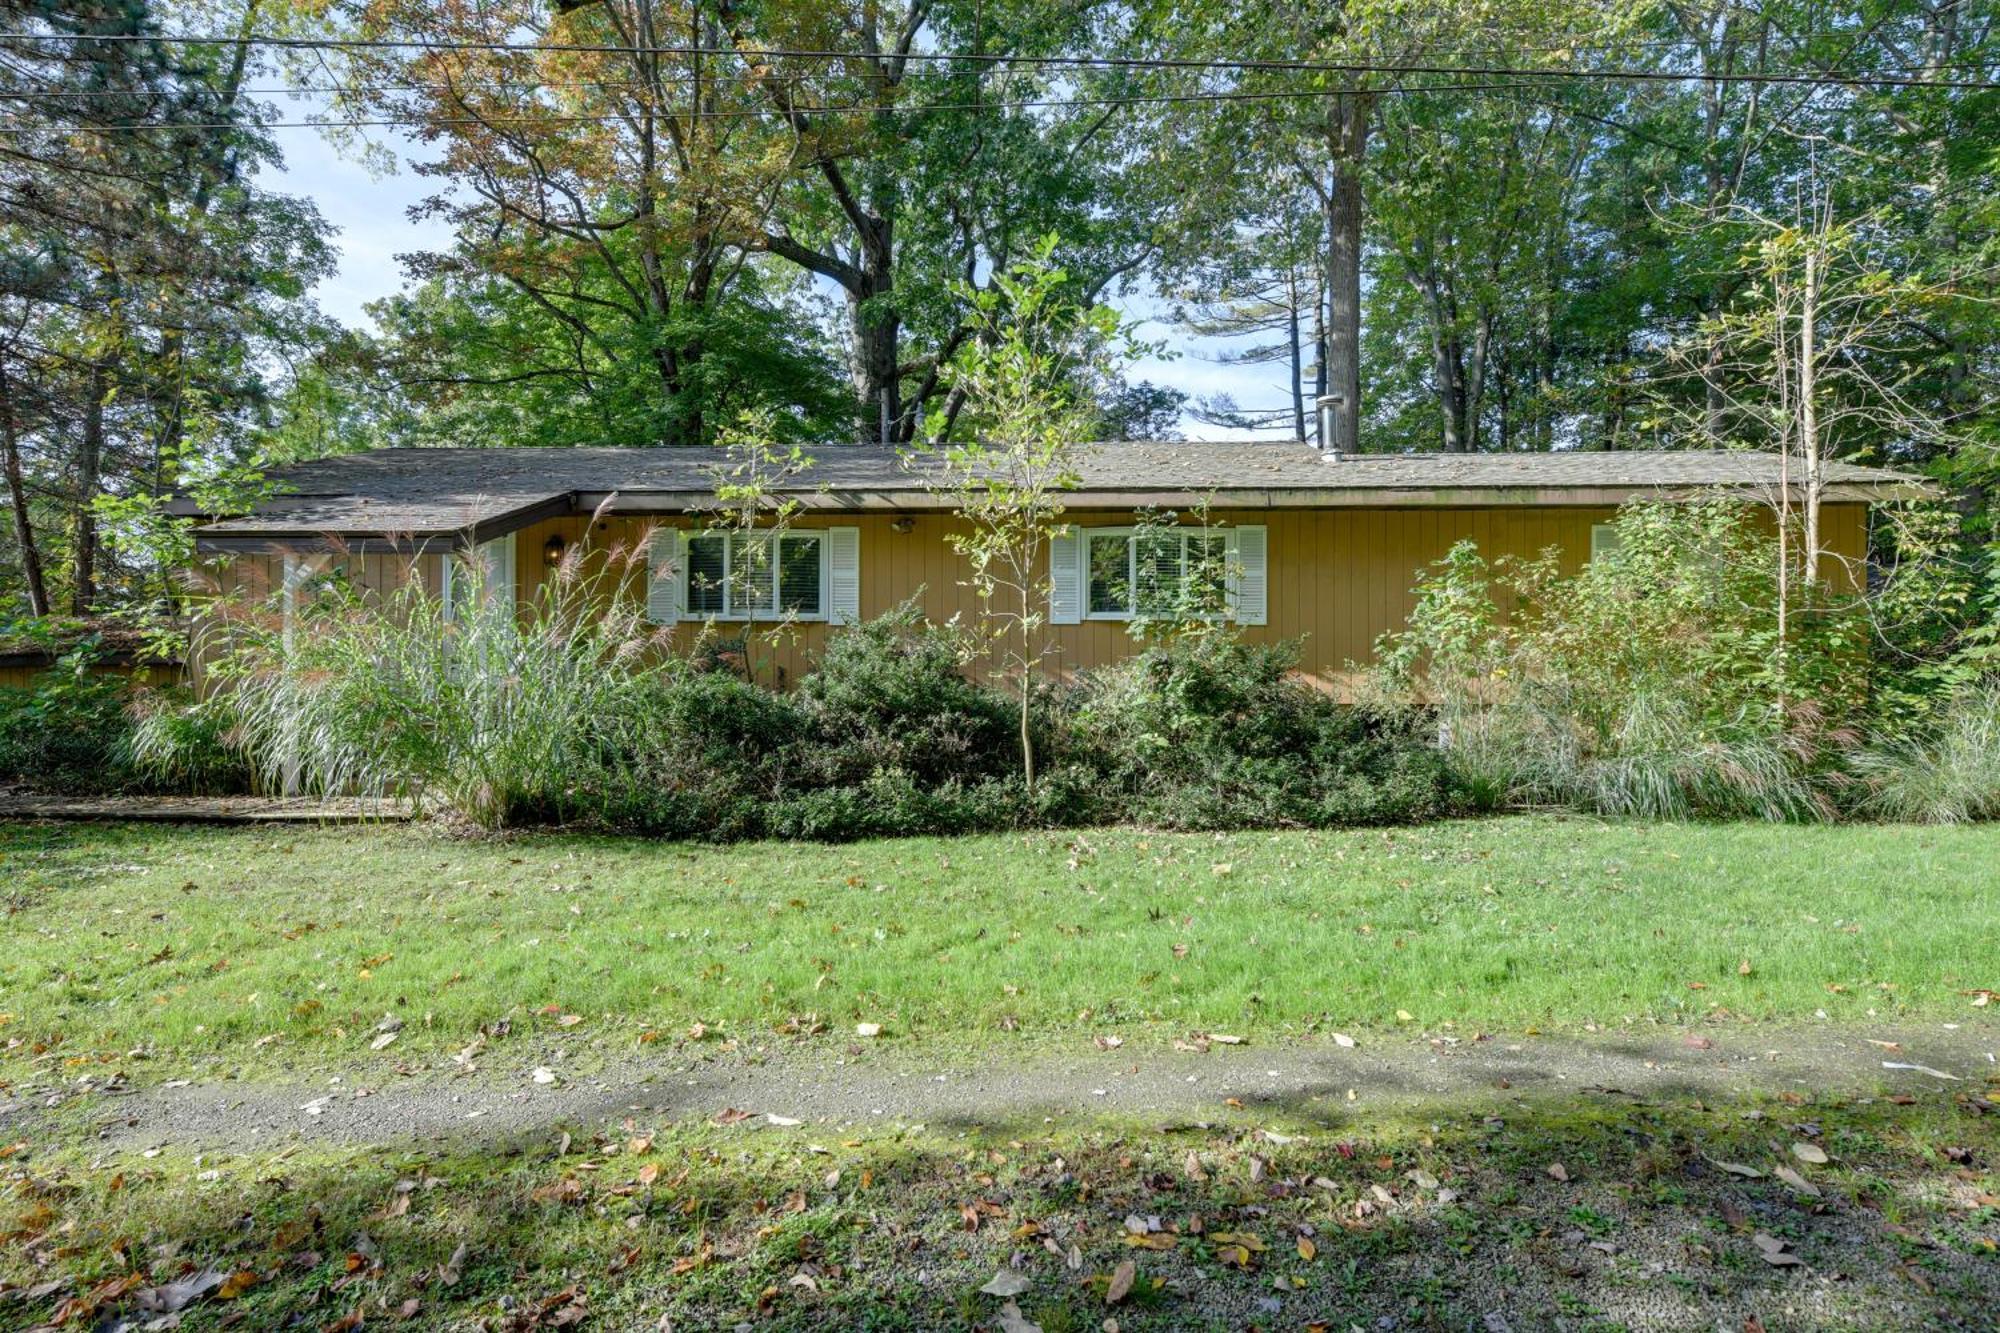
(1322, 548)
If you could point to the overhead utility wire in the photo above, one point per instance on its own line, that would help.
(1065, 61)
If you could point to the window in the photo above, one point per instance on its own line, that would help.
(756, 575)
(1154, 572)
(1605, 539)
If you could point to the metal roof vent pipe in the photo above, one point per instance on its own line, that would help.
(1328, 405)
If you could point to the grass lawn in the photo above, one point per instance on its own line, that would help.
(274, 954)
(262, 945)
(1595, 1211)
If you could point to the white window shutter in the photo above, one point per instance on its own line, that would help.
(1249, 574)
(663, 577)
(1066, 578)
(843, 575)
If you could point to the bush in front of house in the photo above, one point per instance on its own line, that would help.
(571, 714)
(1207, 732)
(66, 733)
(81, 732)
(1659, 681)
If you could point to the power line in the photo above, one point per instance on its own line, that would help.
(736, 114)
(1830, 77)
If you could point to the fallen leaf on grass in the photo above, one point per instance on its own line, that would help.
(1120, 1286)
(543, 1075)
(1013, 1321)
(1307, 1250)
(1738, 1169)
(867, 1029)
(176, 1296)
(1797, 1181)
(383, 1040)
(1006, 1282)
(731, 1116)
(1809, 1152)
(1557, 1171)
(1921, 1069)
(1344, 1041)
(454, 1267)
(1775, 1252)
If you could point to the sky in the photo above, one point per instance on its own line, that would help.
(370, 211)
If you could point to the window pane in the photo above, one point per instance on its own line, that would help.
(704, 576)
(1159, 571)
(751, 574)
(1110, 575)
(798, 574)
(1207, 573)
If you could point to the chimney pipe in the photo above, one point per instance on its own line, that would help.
(1327, 403)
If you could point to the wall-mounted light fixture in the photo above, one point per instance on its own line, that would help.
(904, 524)
(552, 550)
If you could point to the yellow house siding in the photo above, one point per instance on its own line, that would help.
(1338, 578)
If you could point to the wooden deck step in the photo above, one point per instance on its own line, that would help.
(207, 809)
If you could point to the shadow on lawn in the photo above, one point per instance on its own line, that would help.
(1584, 1209)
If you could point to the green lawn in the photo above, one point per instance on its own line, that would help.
(1588, 1211)
(197, 942)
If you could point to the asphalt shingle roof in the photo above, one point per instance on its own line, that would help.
(462, 493)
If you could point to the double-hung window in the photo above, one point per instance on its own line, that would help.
(1133, 572)
(756, 575)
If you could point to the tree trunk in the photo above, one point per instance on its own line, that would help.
(1343, 331)
(17, 495)
(1809, 423)
(1298, 378)
(1347, 141)
(89, 470)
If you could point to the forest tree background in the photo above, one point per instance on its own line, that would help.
(1479, 226)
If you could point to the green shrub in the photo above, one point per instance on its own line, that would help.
(502, 717)
(1948, 772)
(1659, 681)
(891, 695)
(66, 734)
(1208, 732)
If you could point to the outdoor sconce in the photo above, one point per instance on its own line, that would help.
(903, 524)
(552, 550)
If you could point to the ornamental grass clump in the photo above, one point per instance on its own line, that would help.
(504, 713)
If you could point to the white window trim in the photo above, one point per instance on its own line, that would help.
(1183, 531)
(776, 612)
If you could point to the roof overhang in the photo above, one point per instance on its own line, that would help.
(269, 537)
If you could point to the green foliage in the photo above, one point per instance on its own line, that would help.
(67, 732)
(1945, 771)
(892, 694)
(1029, 381)
(78, 730)
(1660, 680)
(1211, 733)
(176, 746)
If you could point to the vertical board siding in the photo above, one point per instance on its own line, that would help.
(1338, 578)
